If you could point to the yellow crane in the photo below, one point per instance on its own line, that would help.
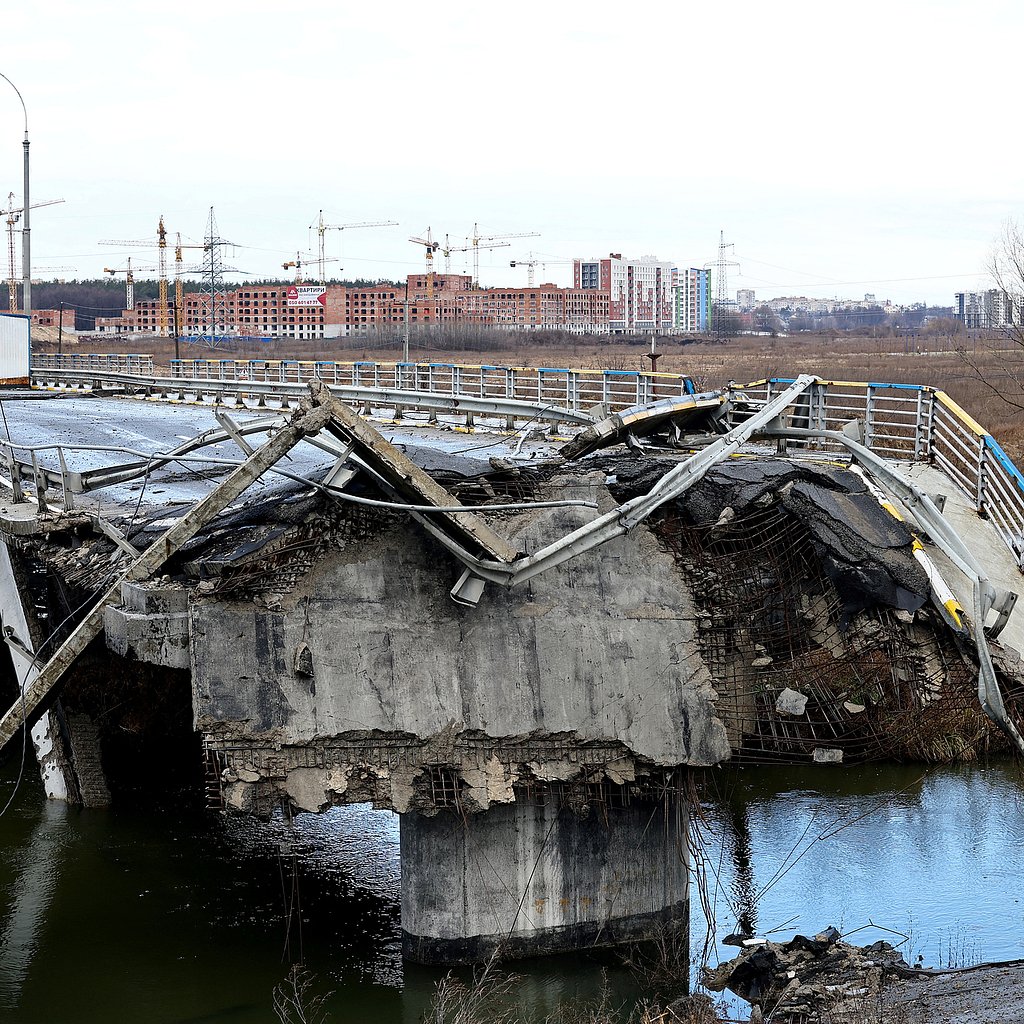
(431, 247)
(161, 247)
(13, 216)
(477, 238)
(322, 229)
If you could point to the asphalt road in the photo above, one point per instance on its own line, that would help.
(151, 427)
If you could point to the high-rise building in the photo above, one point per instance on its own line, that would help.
(990, 309)
(745, 299)
(639, 292)
(691, 300)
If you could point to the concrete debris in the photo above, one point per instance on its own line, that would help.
(797, 980)
(791, 702)
(826, 755)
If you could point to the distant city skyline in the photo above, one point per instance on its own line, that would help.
(823, 145)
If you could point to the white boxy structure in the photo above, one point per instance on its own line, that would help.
(14, 348)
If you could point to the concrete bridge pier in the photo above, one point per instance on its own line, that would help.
(532, 878)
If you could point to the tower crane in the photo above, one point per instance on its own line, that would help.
(161, 239)
(13, 216)
(449, 249)
(322, 229)
(431, 247)
(299, 262)
(129, 281)
(533, 263)
(161, 246)
(476, 247)
(529, 264)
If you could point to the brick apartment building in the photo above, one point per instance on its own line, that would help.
(547, 307)
(269, 311)
(63, 318)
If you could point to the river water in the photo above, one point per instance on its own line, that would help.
(169, 915)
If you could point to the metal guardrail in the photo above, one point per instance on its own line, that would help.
(87, 362)
(903, 422)
(914, 422)
(577, 390)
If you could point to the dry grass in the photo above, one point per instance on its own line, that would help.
(931, 360)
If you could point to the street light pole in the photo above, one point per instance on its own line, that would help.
(26, 236)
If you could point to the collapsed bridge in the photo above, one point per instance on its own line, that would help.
(520, 652)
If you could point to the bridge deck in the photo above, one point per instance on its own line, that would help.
(983, 539)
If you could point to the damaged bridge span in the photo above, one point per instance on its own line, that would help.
(522, 656)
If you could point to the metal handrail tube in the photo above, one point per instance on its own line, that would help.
(954, 472)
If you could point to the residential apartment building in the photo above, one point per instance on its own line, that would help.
(547, 307)
(639, 292)
(992, 309)
(63, 318)
(338, 311)
(691, 300)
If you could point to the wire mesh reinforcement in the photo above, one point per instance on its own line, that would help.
(796, 673)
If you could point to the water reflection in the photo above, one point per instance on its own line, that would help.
(933, 854)
(165, 915)
(36, 870)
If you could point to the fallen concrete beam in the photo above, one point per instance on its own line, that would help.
(45, 685)
(405, 479)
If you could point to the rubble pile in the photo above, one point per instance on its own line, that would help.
(797, 980)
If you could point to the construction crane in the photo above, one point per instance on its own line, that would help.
(299, 262)
(161, 246)
(322, 229)
(431, 247)
(161, 237)
(529, 264)
(50, 270)
(449, 249)
(476, 247)
(129, 281)
(533, 262)
(13, 216)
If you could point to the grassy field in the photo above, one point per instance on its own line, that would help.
(933, 360)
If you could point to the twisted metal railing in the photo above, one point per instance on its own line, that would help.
(914, 422)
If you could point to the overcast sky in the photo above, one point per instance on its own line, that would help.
(842, 149)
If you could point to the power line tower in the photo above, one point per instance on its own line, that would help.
(215, 332)
(722, 304)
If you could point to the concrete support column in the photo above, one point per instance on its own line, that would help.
(541, 879)
(48, 740)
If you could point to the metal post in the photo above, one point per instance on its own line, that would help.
(405, 338)
(26, 244)
(177, 329)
